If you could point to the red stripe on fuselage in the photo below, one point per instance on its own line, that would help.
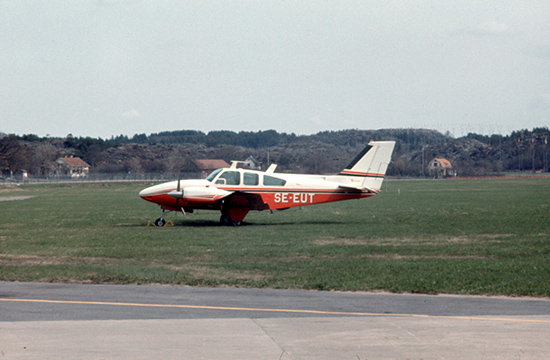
(349, 172)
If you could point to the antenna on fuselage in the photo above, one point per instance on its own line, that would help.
(235, 164)
(271, 169)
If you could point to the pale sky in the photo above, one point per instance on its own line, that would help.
(104, 68)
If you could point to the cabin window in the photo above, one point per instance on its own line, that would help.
(231, 178)
(251, 179)
(213, 175)
(273, 181)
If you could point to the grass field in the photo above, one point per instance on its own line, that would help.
(454, 236)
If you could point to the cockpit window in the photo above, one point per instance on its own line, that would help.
(231, 178)
(251, 179)
(273, 181)
(213, 174)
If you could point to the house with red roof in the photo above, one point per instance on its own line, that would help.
(72, 166)
(207, 166)
(440, 167)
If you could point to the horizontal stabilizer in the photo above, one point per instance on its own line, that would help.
(364, 188)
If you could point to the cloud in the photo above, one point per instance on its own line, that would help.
(115, 2)
(541, 102)
(538, 51)
(544, 100)
(493, 28)
(316, 121)
(489, 28)
(131, 114)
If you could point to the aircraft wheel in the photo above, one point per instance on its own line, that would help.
(160, 222)
(225, 219)
(236, 223)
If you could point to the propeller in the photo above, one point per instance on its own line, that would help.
(178, 189)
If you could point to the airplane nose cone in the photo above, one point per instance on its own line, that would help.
(147, 193)
(143, 193)
(158, 192)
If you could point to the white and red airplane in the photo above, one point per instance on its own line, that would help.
(235, 191)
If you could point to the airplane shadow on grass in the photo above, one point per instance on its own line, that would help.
(247, 224)
(213, 223)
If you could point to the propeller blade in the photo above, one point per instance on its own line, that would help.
(179, 189)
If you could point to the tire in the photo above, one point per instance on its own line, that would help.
(225, 219)
(160, 222)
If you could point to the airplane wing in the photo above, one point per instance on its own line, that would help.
(245, 199)
(238, 204)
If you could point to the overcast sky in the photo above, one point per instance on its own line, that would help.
(104, 68)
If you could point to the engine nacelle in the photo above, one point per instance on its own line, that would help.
(204, 192)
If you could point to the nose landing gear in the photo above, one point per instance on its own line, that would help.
(160, 222)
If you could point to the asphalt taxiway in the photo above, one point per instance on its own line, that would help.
(76, 321)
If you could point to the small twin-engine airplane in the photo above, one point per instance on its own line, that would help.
(235, 191)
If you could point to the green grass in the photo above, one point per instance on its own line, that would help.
(454, 236)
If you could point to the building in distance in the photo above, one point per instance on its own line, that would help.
(73, 167)
(206, 166)
(441, 168)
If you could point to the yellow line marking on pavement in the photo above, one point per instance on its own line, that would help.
(295, 311)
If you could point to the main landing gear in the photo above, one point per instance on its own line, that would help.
(225, 219)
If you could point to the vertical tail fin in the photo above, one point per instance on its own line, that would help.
(371, 164)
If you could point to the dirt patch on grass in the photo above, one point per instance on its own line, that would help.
(438, 240)
(203, 272)
(34, 260)
(15, 198)
(445, 257)
(430, 241)
(331, 240)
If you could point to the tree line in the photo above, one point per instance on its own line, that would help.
(324, 152)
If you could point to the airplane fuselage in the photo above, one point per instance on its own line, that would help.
(292, 190)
